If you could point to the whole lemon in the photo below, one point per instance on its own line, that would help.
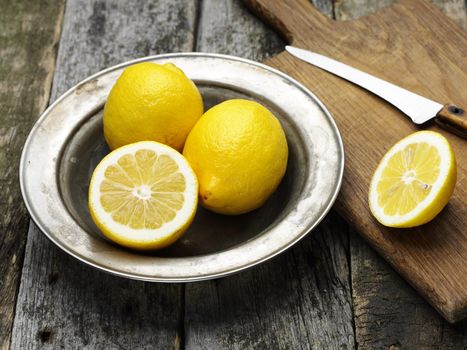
(239, 152)
(151, 102)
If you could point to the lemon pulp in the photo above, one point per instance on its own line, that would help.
(143, 195)
(408, 178)
(143, 190)
(414, 180)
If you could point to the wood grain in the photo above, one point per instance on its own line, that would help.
(299, 300)
(419, 53)
(227, 27)
(352, 9)
(65, 304)
(389, 314)
(27, 60)
(211, 322)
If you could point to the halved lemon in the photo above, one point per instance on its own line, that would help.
(414, 180)
(143, 195)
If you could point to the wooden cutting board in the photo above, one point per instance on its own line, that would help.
(414, 45)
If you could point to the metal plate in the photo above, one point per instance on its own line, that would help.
(66, 144)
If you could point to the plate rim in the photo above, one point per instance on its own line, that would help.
(135, 276)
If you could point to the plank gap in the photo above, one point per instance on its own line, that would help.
(197, 21)
(181, 325)
(17, 287)
(349, 263)
(333, 4)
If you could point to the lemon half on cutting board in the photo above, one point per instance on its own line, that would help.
(143, 195)
(413, 181)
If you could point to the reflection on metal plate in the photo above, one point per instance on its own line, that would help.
(67, 143)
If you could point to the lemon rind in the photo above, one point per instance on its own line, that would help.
(446, 163)
(136, 237)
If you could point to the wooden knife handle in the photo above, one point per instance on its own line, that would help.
(454, 119)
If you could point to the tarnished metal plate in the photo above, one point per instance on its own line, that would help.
(66, 144)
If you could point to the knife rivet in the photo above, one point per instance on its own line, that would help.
(455, 110)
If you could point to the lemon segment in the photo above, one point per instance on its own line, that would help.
(143, 195)
(413, 181)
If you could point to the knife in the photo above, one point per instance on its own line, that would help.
(418, 108)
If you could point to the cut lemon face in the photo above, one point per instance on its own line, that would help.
(413, 181)
(143, 195)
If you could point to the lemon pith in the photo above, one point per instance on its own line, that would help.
(413, 181)
(153, 102)
(143, 195)
(239, 152)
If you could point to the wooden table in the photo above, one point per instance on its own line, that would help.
(330, 291)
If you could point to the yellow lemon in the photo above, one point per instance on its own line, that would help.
(413, 181)
(151, 102)
(239, 152)
(143, 195)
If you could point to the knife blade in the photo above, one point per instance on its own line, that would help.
(418, 108)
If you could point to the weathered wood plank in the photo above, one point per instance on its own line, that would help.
(27, 60)
(202, 293)
(351, 9)
(299, 300)
(63, 303)
(226, 27)
(100, 33)
(389, 314)
(456, 9)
